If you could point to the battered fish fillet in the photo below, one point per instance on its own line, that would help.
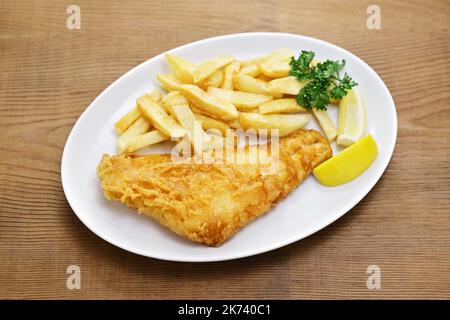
(209, 203)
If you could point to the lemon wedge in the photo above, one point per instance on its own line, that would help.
(352, 118)
(348, 164)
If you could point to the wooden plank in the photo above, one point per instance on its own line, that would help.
(50, 74)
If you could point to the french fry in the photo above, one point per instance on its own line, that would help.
(280, 53)
(254, 61)
(248, 84)
(159, 118)
(200, 111)
(285, 123)
(277, 65)
(286, 105)
(335, 102)
(174, 97)
(235, 81)
(127, 120)
(228, 75)
(182, 68)
(327, 125)
(181, 111)
(140, 126)
(214, 80)
(234, 124)
(209, 104)
(156, 95)
(264, 78)
(275, 68)
(251, 70)
(211, 123)
(169, 81)
(208, 67)
(167, 97)
(145, 140)
(283, 54)
(286, 85)
(242, 100)
(207, 96)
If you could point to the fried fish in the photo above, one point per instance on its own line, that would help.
(209, 203)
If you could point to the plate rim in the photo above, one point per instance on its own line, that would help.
(257, 251)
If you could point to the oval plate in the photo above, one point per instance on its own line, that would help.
(306, 210)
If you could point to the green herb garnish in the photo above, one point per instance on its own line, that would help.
(324, 82)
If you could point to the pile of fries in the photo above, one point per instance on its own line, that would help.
(214, 96)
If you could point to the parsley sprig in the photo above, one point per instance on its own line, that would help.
(323, 81)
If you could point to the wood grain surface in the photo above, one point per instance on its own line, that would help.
(50, 74)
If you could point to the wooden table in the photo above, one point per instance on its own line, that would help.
(50, 74)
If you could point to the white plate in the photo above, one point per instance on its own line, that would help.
(306, 210)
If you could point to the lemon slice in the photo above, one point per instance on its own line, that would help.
(352, 118)
(348, 164)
